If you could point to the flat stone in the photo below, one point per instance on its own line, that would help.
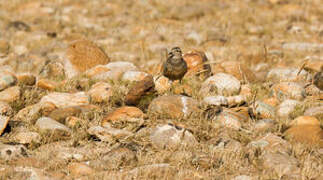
(123, 114)
(282, 74)
(139, 89)
(3, 123)
(27, 137)
(6, 80)
(48, 124)
(46, 84)
(281, 164)
(287, 107)
(10, 95)
(134, 76)
(62, 100)
(120, 157)
(290, 90)
(264, 110)
(108, 134)
(216, 100)
(220, 84)
(112, 71)
(229, 120)
(170, 137)
(173, 106)
(26, 79)
(100, 92)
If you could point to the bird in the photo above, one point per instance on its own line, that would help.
(175, 67)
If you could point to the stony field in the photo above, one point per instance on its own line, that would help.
(83, 96)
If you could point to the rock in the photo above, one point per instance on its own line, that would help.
(134, 76)
(5, 109)
(281, 164)
(46, 108)
(139, 89)
(286, 74)
(162, 84)
(79, 169)
(8, 152)
(108, 134)
(27, 137)
(228, 120)
(7, 80)
(112, 71)
(119, 157)
(306, 134)
(264, 111)
(3, 123)
(220, 84)
(272, 101)
(270, 143)
(61, 114)
(305, 120)
(196, 64)
(264, 125)
(289, 90)
(29, 114)
(170, 137)
(236, 100)
(53, 70)
(124, 114)
(313, 111)
(216, 100)
(236, 69)
(173, 106)
(10, 95)
(246, 91)
(26, 79)
(62, 100)
(287, 107)
(302, 46)
(48, 124)
(4, 48)
(83, 55)
(100, 92)
(47, 84)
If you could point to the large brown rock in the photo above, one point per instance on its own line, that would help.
(173, 106)
(82, 55)
(139, 89)
(196, 64)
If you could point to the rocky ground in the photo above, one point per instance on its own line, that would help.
(82, 96)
